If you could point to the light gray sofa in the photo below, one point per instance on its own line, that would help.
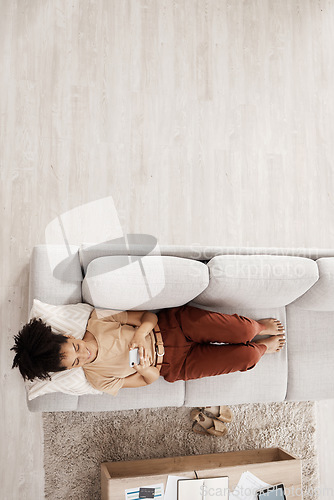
(296, 286)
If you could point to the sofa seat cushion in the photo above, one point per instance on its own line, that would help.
(55, 401)
(310, 354)
(320, 297)
(266, 382)
(139, 283)
(255, 281)
(159, 394)
(156, 395)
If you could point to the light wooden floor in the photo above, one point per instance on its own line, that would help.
(207, 121)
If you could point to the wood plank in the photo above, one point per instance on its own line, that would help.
(284, 455)
(152, 466)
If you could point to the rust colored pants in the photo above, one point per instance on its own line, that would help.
(187, 334)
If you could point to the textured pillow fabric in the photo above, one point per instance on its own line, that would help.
(320, 297)
(143, 282)
(68, 319)
(260, 281)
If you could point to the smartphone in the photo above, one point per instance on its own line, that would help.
(134, 357)
(274, 492)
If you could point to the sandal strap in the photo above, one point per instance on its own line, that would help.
(220, 415)
(202, 431)
(194, 414)
(219, 429)
(220, 426)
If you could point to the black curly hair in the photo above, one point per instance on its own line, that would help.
(38, 350)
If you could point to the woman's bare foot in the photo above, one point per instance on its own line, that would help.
(274, 343)
(273, 326)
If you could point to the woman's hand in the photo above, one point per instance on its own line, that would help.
(137, 340)
(145, 369)
(143, 327)
(145, 361)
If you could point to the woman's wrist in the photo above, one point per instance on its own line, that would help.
(149, 321)
(140, 333)
(150, 374)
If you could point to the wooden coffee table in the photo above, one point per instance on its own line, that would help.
(272, 465)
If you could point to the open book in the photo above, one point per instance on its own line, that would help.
(212, 488)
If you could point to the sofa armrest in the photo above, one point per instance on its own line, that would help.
(55, 275)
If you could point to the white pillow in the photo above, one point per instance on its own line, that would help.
(68, 319)
(151, 282)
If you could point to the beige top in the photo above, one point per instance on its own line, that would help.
(111, 365)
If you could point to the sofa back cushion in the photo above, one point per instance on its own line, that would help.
(260, 281)
(143, 282)
(320, 297)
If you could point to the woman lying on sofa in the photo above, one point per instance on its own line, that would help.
(176, 343)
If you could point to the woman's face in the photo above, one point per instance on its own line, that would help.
(76, 353)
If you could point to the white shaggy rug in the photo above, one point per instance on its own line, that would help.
(75, 443)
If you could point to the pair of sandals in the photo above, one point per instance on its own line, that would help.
(211, 420)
